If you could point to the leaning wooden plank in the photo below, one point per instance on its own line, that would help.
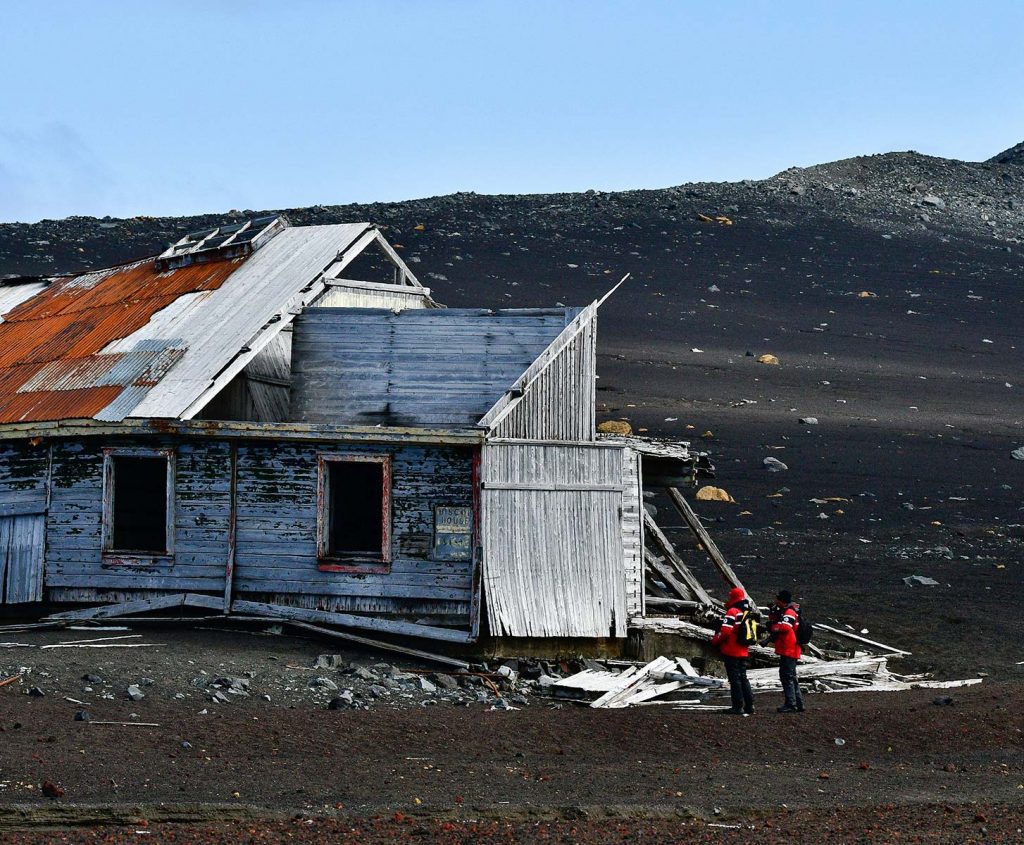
(656, 534)
(705, 539)
(348, 620)
(858, 638)
(669, 625)
(122, 609)
(666, 573)
(30, 626)
(686, 667)
(382, 646)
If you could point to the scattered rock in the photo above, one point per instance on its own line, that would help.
(708, 493)
(1018, 454)
(52, 790)
(620, 427)
(921, 580)
(82, 716)
(933, 201)
(808, 420)
(36, 692)
(767, 358)
(774, 465)
(323, 683)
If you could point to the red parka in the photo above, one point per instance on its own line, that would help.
(725, 639)
(784, 632)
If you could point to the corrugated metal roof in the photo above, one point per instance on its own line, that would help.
(135, 341)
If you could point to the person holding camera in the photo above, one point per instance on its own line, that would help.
(730, 640)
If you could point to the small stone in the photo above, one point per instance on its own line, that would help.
(808, 420)
(82, 716)
(186, 744)
(364, 674)
(52, 790)
(35, 692)
(445, 682)
(89, 678)
(427, 686)
(134, 693)
(933, 201)
(774, 465)
(329, 661)
(323, 683)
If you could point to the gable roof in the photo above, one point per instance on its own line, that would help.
(136, 341)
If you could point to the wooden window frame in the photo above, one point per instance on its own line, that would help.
(355, 562)
(135, 557)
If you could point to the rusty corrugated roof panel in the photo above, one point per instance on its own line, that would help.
(52, 364)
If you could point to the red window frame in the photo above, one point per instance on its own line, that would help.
(356, 561)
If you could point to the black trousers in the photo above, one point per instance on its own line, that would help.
(739, 686)
(790, 684)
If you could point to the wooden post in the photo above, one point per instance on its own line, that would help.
(702, 535)
(229, 568)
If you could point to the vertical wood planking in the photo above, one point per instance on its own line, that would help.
(553, 558)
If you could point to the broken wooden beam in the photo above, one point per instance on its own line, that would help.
(380, 645)
(701, 533)
(858, 638)
(668, 576)
(685, 575)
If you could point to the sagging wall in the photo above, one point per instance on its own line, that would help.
(276, 505)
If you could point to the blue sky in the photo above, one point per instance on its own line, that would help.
(146, 107)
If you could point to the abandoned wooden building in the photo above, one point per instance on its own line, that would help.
(243, 424)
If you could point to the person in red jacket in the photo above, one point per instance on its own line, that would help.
(734, 654)
(783, 623)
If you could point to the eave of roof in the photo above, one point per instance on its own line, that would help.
(242, 431)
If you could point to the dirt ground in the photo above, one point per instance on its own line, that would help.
(187, 769)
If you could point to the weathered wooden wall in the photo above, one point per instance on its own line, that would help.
(633, 531)
(559, 402)
(553, 562)
(23, 471)
(423, 367)
(276, 529)
(276, 552)
(74, 560)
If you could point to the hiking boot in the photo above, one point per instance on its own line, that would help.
(732, 711)
(799, 708)
(749, 712)
(786, 708)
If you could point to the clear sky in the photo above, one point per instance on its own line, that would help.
(148, 107)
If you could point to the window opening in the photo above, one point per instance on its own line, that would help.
(139, 503)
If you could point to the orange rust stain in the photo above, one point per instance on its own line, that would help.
(77, 317)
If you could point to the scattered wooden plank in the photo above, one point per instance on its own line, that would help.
(104, 645)
(626, 688)
(702, 535)
(696, 589)
(382, 646)
(858, 638)
(97, 640)
(966, 682)
(125, 724)
(10, 680)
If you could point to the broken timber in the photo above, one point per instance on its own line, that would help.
(704, 537)
(696, 589)
(381, 646)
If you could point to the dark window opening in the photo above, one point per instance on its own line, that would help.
(139, 504)
(356, 495)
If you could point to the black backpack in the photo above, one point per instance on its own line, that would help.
(804, 629)
(748, 628)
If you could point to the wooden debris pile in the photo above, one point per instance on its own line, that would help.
(674, 681)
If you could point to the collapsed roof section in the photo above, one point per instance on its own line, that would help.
(160, 338)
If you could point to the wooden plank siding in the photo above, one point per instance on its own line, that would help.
(558, 403)
(275, 551)
(632, 532)
(276, 545)
(552, 536)
(422, 367)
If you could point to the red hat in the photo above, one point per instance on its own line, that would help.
(736, 594)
